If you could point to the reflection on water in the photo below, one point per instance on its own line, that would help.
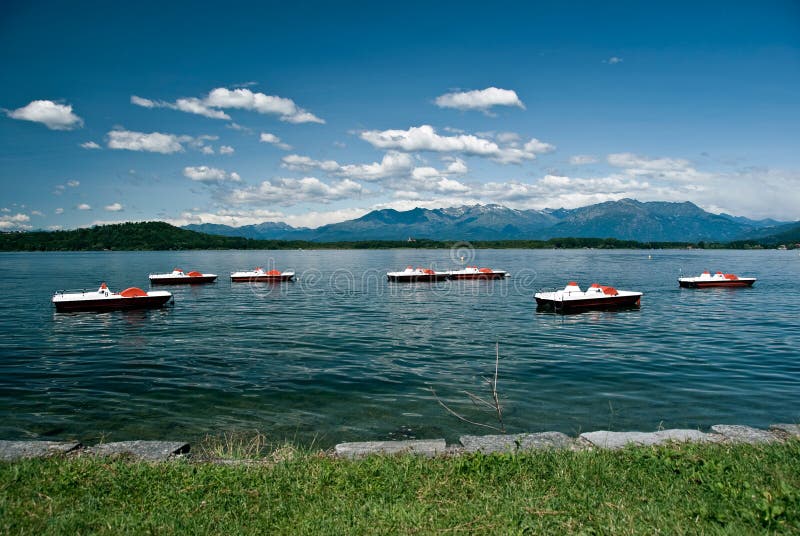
(342, 354)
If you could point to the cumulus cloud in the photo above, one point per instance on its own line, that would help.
(210, 175)
(582, 159)
(457, 166)
(84, 206)
(73, 183)
(287, 191)
(272, 139)
(90, 145)
(153, 142)
(51, 114)
(219, 99)
(245, 99)
(240, 216)
(296, 162)
(156, 142)
(59, 210)
(425, 138)
(392, 164)
(613, 60)
(189, 105)
(14, 222)
(114, 207)
(676, 169)
(479, 99)
(226, 149)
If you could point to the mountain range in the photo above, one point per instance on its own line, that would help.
(626, 219)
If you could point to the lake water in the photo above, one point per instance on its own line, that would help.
(343, 355)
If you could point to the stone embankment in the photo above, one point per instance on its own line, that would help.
(488, 444)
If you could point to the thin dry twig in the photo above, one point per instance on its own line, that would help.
(460, 416)
(477, 400)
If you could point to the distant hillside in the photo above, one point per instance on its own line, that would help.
(260, 231)
(629, 219)
(124, 236)
(626, 219)
(787, 234)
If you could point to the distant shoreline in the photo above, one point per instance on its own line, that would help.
(159, 236)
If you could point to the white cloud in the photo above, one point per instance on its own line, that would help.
(213, 104)
(154, 142)
(613, 60)
(196, 106)
(535, 146)
(507, 137)
(14, 222)
(145, 103)
(114, 207)
(582, 159)
(272, 139)
(296, 162)
(36, 213)
(207, 149)
(425, 138)
(676, 169)
(457, 167)
(59, 210)
(239, 217)
(392, 164)
(286, 191)
(210, 175)
(84, 206)
(190, 105)
(226, 149)
(73, 183)
(53, 115)
(245, 99)
(479, 99)
(90, 145)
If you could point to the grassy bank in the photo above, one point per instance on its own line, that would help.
(692, 488)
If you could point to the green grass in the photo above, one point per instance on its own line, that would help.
(706, 489)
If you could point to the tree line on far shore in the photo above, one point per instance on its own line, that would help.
(153, 236)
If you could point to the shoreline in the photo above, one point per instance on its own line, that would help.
(165, 450)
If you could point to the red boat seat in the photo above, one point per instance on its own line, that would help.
(730, 276)
(609, 291)
(274, 272)
(195, 274)
(133, 292)
(486, 270)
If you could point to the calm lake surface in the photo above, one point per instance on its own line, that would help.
(343, 355)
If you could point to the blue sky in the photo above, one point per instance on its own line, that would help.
(316, 112)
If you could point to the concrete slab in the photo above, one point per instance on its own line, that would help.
(516, 443)
(617, 440)
(422, 447)
(141, 450)
(737, 433)
(15, 450)
(790, 430)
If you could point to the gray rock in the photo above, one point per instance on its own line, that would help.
(516, 443)
(14, 450)
(617, 440)
(786, 429)
(423, 447)
(141, 450)
(737, 433)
